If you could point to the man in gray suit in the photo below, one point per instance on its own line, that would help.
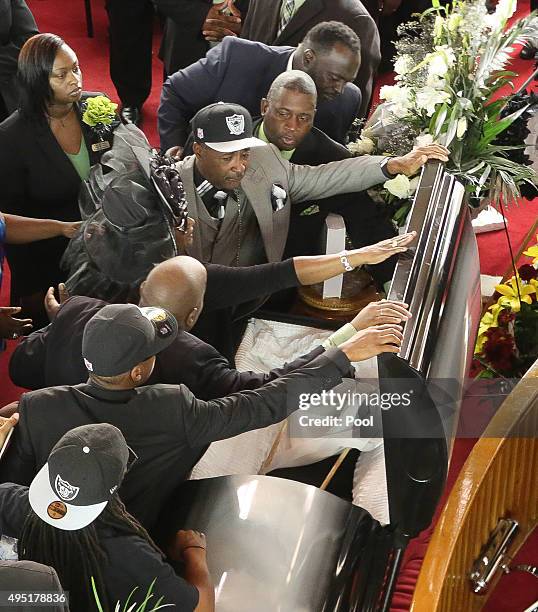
(240, 190)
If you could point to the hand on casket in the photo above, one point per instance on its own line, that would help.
(411, 163)
(373, 341)
(381, 313)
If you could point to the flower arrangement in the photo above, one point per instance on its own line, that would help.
(99, 110)
(100, 114)
(450, 66)
(507, 343)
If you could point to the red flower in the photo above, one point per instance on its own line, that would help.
(499, 349)
(505, 317)
(527, 272)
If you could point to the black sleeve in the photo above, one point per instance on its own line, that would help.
(18, 464)
(203, 422)
(228, 286)
(23, 26)
(27, 363)
(187, 91)
(14, 507)
(141, 564)
(12, 173)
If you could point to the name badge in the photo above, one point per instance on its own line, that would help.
(100, 146)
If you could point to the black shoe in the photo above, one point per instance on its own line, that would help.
(131, 114)
(528, 51)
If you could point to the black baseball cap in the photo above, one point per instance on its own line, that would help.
(121, 336)
(83, 471)
(225, 128)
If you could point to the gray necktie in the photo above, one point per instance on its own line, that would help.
(286, 13)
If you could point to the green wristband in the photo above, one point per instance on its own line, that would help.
(339, 336)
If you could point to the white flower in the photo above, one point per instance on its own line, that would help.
(461, 127)
(423, 140)
(394, 93)
(440, 61)
(363, 146)
(438, 27)
(505, 9)
(413, 184)
(454, 22)
(399, 97)
(403, 64)
(428, 98)
(399, 186)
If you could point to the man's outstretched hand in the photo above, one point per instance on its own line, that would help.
(373, 341)
(411, 163)
(51, 303)
(10, 327)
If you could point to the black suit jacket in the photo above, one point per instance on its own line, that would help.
(242, 72)
(182, 42)
(53, 355)
(263, 17)
(38, 180)
(17, 24)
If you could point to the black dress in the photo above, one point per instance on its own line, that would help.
(38, 180)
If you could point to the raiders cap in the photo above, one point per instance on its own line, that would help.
(121, 336)
(83, 471)
(225, 128)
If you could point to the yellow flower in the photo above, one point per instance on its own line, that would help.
(533, 252)
(490, 319)
(509, 293)
(99, 109)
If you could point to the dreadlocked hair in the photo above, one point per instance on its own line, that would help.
(75, 555)
(115, 516)
(78, 555)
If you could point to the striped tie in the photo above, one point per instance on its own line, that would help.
(286, 13)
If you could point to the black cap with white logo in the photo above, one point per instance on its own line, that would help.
(83, 471)
(225, 128)
(120, 336)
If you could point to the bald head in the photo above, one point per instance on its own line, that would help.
(178, 285)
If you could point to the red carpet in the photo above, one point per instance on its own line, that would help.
(68, 20)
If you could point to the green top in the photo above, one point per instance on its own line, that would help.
(261, 135)
(81, 161)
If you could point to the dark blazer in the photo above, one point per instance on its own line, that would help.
(17, 24)
(242, 72)
(263, 17)
(38, 180)
(53, 355)
(182, 42)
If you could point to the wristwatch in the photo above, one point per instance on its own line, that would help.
(345, 261)
(383, 165)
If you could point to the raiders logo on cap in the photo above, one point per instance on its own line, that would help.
(159, 319)
(236, 124)
(65, 490)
